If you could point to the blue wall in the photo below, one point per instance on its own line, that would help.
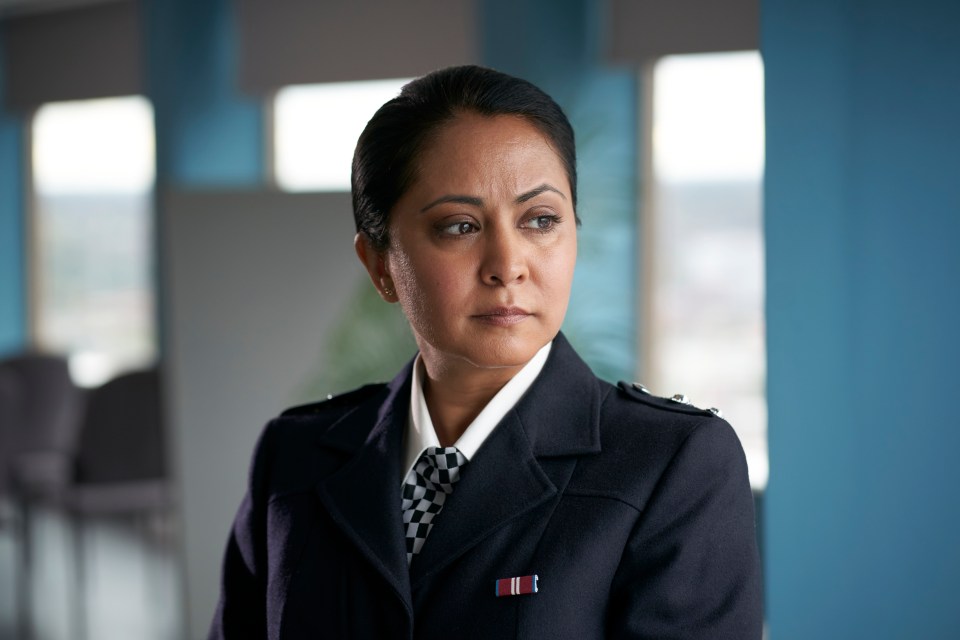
(863, 309)
(13, 333)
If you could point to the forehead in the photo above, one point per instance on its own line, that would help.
(474, 147)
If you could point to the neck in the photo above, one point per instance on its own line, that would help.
(456, 394)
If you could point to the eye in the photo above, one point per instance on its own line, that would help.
(544, 222)
(460, 228)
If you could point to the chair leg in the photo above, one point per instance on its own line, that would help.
(24, 577)
(79, 573)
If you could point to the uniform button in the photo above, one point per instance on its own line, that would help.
(681, 398)
(716, 412)
(639, 387)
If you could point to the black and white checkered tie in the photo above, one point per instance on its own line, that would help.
(424, 491)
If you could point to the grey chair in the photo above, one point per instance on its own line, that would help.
(121, 465)
(9, 418)
(10, 522)
(43, 438)
(121, 469)
(40, 423)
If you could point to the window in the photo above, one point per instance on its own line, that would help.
(316, 129)
(704, 242)
(92, 234)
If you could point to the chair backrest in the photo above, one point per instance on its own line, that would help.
(9, 418)
(122, 436)
(50, 404)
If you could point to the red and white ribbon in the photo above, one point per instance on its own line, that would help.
(518, 586)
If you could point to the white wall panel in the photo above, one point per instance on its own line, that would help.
(253, 281)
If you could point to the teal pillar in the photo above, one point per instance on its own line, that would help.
(862, 201)
(208, 133)
(13, 303)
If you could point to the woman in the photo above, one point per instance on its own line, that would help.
(495, 488)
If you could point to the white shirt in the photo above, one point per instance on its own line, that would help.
(420, 433)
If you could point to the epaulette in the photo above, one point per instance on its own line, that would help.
(678, 403)
(334, 401)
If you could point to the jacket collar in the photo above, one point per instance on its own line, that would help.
(348, 433)
(558, 416)
(560, 412)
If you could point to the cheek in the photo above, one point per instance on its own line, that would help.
(556, 268)
(428, 290)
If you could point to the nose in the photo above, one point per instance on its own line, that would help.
(504, 259)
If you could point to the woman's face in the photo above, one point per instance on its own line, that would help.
(483, 245)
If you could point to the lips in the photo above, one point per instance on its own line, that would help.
(503, 316)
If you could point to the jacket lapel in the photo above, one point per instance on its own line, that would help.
(502, 482)
(513, 473)
(363, 496)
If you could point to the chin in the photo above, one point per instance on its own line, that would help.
(504, 351)
(484, 347)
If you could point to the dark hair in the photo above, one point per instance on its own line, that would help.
(385, 160)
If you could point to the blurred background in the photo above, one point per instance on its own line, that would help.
(770, 192)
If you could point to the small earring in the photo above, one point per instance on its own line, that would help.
(387, 291)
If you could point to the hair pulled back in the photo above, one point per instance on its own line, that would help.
(386, 158)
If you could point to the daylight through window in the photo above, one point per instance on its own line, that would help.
(92, 234)
(705, 321)
(316, 129)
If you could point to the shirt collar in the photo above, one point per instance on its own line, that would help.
(420, 433)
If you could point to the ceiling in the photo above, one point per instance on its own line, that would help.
(20, 7)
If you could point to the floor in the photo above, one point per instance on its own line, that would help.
(131, 583)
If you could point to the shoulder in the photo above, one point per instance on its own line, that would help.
(677, 403)
(313, 420)
(631, 414)
(334, 403)
(643, 436)
(295, 445)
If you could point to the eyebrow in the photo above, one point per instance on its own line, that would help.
(471, 200)
(478, 202)
(533, 193)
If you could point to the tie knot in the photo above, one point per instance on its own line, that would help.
(440, 466)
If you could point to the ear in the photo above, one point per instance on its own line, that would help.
(375, 263)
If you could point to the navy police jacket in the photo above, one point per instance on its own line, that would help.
(634, 512)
